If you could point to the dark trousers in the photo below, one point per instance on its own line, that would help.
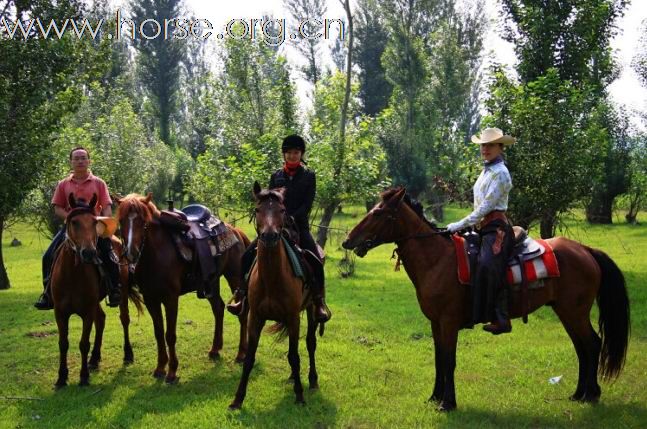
(497, 240)
(104, 249)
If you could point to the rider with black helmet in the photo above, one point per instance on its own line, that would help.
(300, 187)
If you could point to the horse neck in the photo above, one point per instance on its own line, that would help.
(416, 253)
(273, 265)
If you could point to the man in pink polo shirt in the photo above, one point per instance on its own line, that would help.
(83, 185)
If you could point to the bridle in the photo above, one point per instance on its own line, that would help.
(283, 222)
(69, 242)
(133, 265)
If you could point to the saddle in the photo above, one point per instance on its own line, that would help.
(199, 238)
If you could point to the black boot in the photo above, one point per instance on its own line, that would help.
(502, 324)
(44, 301)
(322, 313)
(114, 295)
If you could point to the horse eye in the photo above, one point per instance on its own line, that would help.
(257, 210)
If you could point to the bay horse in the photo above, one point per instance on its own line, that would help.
(429, 258)
(75, 288)
(159, 272)
(276, 293)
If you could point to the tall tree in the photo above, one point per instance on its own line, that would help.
(567, 40)
(39, 82)
(305, 12)
(160, 60)
(372, 37)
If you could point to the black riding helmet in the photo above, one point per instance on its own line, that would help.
(293, 141)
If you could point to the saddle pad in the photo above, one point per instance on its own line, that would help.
(541, 267)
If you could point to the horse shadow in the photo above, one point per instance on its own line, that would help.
(573, 415)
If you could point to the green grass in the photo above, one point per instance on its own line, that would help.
(375, 361)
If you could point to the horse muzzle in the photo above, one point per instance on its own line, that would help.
(88, 255)
(269, 239)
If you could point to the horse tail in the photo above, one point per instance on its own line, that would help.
(614, 319)
(278, 328)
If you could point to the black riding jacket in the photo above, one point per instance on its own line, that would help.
(299, 194)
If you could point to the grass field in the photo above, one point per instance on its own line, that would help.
(375, 361)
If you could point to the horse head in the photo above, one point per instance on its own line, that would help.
(134, 213)
(81, 228)
(270, 214)
(379, 224)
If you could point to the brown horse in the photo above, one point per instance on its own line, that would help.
(430, 261)
(276, 293)
(75, 290)
(159, 272)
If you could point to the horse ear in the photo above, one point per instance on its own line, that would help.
(396, 199)
(116, 198)
(257, 188)
(71, 200)
(93, 201)
(148, 198)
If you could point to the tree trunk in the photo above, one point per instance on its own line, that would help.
(322, 233)
(437, 207)
(600, 208)
(547, 226)
(634, 205)
(4, 279)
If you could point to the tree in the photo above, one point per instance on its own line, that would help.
(361, 173)
(159, 62)
(372, 37)
(552, 163)
(614, 177)
(256, 100)
(306, 44)
(636, 196)
(39, 82)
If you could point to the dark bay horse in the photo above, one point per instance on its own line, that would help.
(276, 293)
(430, 261)
(159, 272)
(75, 290)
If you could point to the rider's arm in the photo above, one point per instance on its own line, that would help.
(60, 212)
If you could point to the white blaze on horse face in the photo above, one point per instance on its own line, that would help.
(131, 218)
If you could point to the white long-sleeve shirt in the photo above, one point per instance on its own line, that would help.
(491, 192)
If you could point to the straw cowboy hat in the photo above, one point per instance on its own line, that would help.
(493, 135)
(106, 226)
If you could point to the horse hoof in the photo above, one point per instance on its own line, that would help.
(158, 374)
(59, 385)
(172, 380)
(84, 382)
(576, 397)
(234, 406)
(434, 398)
(215, 356)
(314, 386)
(129, 361)
(300, 402)
(446, 406)
(93, 366)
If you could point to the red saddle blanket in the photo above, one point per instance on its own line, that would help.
(541, 267)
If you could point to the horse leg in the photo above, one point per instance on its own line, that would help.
(439, 383)
(294, 360)
(218, 310)
(62, 321)
(124, 317)
(84, 347)
(448, 341)
(99, 325)
(587, 346)
(155, 310)
(171, 338)
(254, 333)
(311, 343)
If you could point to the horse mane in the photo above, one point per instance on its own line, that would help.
(413, 204)
(135, 203)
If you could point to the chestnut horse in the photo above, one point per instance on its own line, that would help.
(276, 293)
(429, 257)
(75, 290)
(159, 273)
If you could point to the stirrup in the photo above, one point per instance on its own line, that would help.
(237, 307)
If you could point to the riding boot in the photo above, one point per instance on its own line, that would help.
(322, 313)
(44, 300)
(237, 304)
(502, 323)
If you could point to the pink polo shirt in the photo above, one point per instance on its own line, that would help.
(82, 189)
